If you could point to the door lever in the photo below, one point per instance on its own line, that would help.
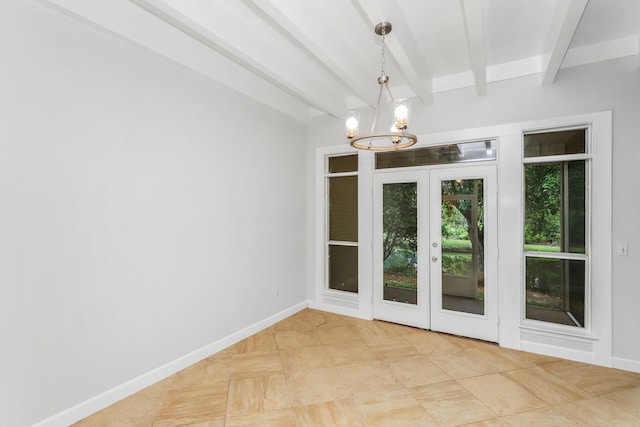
(434, 258)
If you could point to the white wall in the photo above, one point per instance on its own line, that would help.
(612, 85)
(145, 212)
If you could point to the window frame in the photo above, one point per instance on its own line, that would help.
(587, 156)
(327, 241)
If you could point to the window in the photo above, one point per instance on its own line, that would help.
(342, 212)
(556, 226)
(461, 152)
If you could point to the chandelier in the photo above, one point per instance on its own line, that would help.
(397, 136)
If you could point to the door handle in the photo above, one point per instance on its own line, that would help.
(434, 258)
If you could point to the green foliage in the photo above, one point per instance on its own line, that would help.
(542, 203)
(401, 284)
(450, 245)
(458, 264)
(401, 262)
(454, 224)
(400, 216)
(542, 248)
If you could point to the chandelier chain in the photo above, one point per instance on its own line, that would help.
(382, 54)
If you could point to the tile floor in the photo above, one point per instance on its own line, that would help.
(322, 369)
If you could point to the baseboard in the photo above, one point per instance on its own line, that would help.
(626, 364)
(109, 397)
(336, 309)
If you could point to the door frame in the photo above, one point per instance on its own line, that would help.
(485, 326)
(429, 298)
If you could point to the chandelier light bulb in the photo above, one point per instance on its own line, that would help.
(352, 123)
(401, 113)
(393, 128)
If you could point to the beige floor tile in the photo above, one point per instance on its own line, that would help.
(295, 383)
(372, 330)
(592, 379)
(139, 409)
(362, 379)
(502, 395)
(628, 400)
(335, 334)
(394, 329)
(208, 370)
(597, 411)
(256, 343)
(394, 408)
(218, 422)
(451, 404)
(322, 318)
(294, 323)
(314, 386)
(391, 347)
(257, 394)
(498, 358)
(184, 406)
(335, 413)
(293, 339)
(416, 370)
(255, 364)
(430, 342)
(546, 417)
(279, 418)
(531, 357)
(494, 422)
(462, 364)
(305, 358)
(223, 354)
(350, 352)
(547, 386)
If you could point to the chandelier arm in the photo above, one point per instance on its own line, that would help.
(375, 116)
(390, 94)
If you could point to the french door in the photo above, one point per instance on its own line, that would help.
(435, 256)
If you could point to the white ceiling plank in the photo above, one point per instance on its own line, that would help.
(393, 12)
(185, 24)
(514, 69)
(613, 49)
(566, 19)
(472, 11)
(292, 31)
(371, 16)
(135, 26)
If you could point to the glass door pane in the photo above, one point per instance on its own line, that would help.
(462, 214)
(400, 242)
(463, 252)
(400, 248)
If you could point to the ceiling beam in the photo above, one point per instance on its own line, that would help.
(564, 25)
(292, 31)
(371, 16)
(473, 22)
(394, 10)
(638, 53)
(187, 25)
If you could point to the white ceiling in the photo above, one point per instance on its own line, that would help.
(306, 57)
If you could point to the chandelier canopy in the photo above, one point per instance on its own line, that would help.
(397, 136)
